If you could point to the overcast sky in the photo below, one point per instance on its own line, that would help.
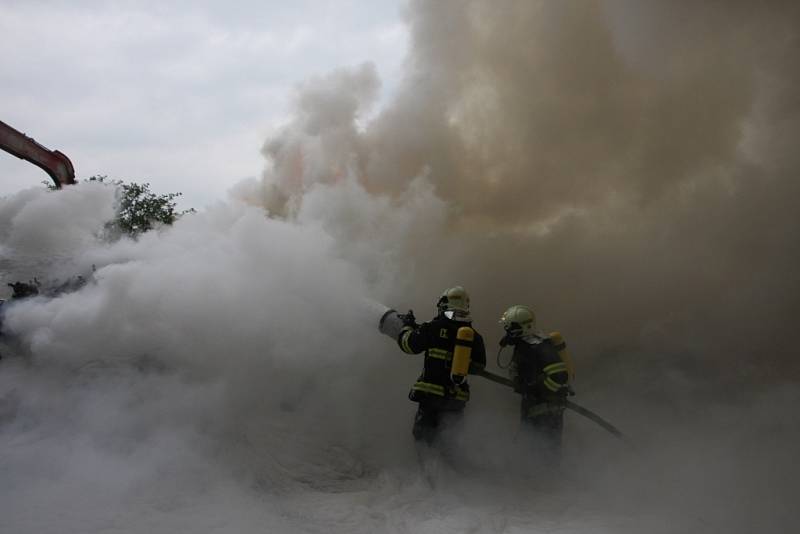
(181, 93)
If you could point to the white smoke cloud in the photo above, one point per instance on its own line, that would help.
(226, 356)
(43, 234)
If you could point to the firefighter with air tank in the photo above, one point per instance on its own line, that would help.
(452, 350)
(540, 370)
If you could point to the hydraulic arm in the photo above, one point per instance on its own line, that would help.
(54, 163)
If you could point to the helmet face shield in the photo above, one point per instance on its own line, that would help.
(456, 315)
(513, 329)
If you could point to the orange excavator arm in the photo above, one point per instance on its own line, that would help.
(54, 163)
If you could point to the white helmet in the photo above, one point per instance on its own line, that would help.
(454, 302)
(519, 320)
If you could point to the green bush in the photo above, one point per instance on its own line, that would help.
(139, 209)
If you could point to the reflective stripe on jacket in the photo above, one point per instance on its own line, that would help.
(455, 392)
(538, 369)
(437, 339)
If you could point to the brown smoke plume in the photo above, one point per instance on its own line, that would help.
(627, 168)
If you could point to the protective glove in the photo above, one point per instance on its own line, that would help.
(408, 319)
(507, 340)
(560, 400)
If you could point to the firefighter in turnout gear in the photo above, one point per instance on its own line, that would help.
(452, 350)
(539, 373)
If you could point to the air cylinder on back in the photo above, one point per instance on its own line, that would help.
(561, 346)
(462, 353)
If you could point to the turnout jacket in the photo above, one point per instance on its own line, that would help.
(437, 339)
(537, 370)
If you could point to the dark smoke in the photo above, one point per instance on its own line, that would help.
(627, 168)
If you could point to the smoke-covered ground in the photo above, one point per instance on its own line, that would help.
(629, 169)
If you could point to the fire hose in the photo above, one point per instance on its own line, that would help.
(391, 324)
(577, 408)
